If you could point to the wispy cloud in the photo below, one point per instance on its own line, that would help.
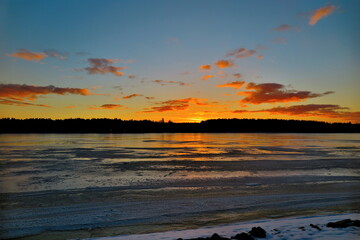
(131, 76)
(224, 63)
(104, 66)
(206, 77)
(173, 40)
(177, 105)
(31, 92)
(279, 40)
(321, 13)
(241, 53)
(164, 82)
(274, 92)
(109, 107)
(235, 85)
(55, 54)
(286, 27)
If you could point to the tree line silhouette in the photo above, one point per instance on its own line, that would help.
(104, 125)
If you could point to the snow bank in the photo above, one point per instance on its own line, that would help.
(284, 228)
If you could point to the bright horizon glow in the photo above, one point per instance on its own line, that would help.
(182, 61)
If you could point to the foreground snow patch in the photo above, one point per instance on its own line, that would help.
(285, 228)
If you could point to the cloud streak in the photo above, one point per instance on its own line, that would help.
(285, 27)
(321, 13)
(28, 55)
(109, 107)
(273, 93)
(241, 53)
(163, 82)
(30, 92)
(206, 77)
(178, 104)
(132, 96)
(235, 84)
(311, 110)
(20, 103)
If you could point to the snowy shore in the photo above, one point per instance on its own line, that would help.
(284, 228)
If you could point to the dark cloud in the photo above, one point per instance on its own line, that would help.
(31, 92)
(275, 92)
(104, 66)
(311, 110)
(20, 103)
(109, 107)
(132, 96)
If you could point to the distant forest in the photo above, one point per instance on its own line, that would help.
(10, 125)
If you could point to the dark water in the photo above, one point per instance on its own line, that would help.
(104, 184)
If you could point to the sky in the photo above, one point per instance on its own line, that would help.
(184, 61)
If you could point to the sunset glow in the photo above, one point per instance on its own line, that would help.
(184, 61)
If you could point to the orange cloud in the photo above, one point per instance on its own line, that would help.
(206, 77)
(163, 82)
(312, 110)
(132, 95)
(241, 53)
(285, 27)
(224, 63)
(70, 106)
(28, 56)
(321, 13)
(274, 92)
(31, 92)
(177, 105)
(103, 66)
(235, 85)
(259, 57)
(37, 56)
(237, 75)
(205, 67)
(109, 107)
(20, 103)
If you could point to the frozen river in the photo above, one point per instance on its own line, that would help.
(88, 185)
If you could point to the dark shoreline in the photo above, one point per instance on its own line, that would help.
(11, 125)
